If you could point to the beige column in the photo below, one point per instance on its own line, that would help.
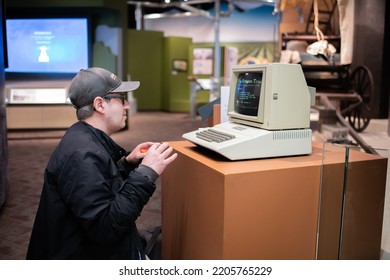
(347, 22)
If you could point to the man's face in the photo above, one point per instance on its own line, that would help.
(116, 111)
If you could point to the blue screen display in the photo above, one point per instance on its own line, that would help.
(47, 45)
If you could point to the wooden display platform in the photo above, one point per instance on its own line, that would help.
(279, 208)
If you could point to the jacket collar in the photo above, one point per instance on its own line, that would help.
(114, 150)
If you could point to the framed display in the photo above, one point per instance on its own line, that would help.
(180, 65)
(203, 61)
(37, 96)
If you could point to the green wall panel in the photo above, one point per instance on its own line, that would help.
(144, 58)
(176, 87)
(103, 57)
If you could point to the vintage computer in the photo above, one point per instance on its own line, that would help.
(269, 114)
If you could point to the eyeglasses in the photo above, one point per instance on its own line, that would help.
(121, 97)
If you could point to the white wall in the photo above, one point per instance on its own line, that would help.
(256, 25)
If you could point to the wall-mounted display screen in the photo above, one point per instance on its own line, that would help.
(47, 45)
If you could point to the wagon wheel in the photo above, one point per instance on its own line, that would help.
(362, 84)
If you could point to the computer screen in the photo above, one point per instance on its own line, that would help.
(248, 93)
(47, 45)
(269, 96)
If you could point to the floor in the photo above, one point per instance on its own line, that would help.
(30, 151)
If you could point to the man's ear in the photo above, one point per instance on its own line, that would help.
(99, 104)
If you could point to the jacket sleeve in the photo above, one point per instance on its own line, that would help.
(125, 167)
(105, 205)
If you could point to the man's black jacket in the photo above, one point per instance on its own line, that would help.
(89, 202)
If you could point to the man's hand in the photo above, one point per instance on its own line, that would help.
(139, 152)
(158, 156)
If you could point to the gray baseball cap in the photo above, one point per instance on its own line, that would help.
(93, 82)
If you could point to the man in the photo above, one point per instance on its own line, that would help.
(93, 190)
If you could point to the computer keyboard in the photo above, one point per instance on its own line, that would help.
(237, 141)
(212, 135)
